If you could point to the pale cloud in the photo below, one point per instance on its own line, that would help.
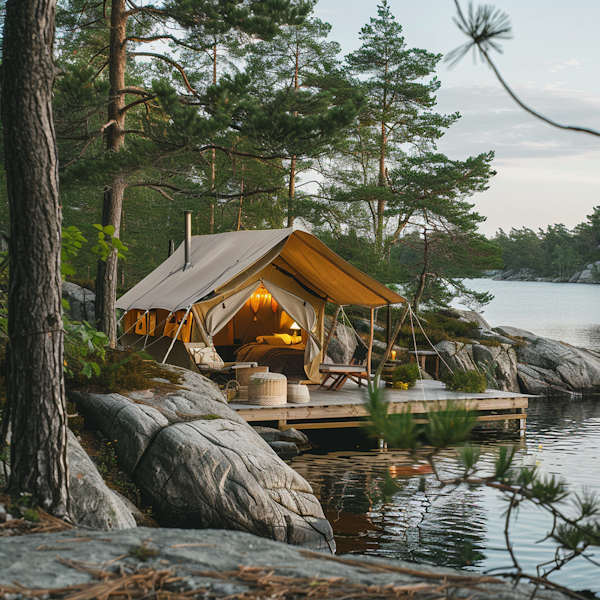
(491, 120)
(544, 175)
(557, 67)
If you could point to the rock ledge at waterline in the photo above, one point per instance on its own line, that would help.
(589, 273)
(524, 362)
(195, 555)
(199, 465)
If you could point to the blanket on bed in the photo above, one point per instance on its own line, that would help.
(288, 360)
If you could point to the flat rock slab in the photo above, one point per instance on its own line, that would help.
(50, 561)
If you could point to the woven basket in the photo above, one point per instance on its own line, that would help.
(297, 393)
(232, 390)
(267, 389)
(243, 377)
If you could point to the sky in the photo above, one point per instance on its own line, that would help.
(544, 175)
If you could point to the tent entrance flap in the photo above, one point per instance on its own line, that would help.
(220, 314)
(302, 312)
(295, 307)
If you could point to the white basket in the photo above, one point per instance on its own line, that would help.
(297, 393)
(267, 389)
(243, 377)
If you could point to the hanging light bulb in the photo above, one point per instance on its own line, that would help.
(255, 302)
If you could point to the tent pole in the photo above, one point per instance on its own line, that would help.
(331, 330)
(390, 345)
(370, 353)
(187, 312)
(389, 325)
(207, 338)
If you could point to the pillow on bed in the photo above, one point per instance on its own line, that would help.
(271, 340)
(289, 339)
(279, 339)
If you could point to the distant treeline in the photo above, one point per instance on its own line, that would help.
(557, 251)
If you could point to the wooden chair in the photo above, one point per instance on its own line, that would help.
(339, 374)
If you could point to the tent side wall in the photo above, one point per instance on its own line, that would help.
(157, 349)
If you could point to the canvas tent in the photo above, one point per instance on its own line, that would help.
(233, 287)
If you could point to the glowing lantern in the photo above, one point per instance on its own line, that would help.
(255, 302)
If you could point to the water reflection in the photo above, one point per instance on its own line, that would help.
(390, 504)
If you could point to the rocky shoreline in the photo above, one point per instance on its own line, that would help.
(250, 511)
(516, 360)
(200, 465)
(590, 273)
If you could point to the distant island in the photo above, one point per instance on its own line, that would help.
(558, 254)
(589, 273)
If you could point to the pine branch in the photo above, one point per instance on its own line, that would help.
(135, 90)
(85, 147)
(136, 102)
(143, 40)
(484, 27)
(207, 194)
(98, 54)
(173, 63)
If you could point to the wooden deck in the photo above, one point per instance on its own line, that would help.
(345, 408)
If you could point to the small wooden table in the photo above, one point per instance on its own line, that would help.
(422, 356)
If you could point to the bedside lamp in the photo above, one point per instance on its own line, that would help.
(295, 329)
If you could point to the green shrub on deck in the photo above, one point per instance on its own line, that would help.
(465, 381)
(406, 374)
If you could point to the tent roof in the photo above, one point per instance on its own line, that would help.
(222, 262)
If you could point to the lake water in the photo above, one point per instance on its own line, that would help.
(389, 504)
(569, 312)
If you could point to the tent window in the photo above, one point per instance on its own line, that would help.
(151, 323)
(140, 322)
(172, 325)
(141, 326)
(135, 322)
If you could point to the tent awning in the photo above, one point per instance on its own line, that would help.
(222, 262)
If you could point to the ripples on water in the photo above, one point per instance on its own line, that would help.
(386, 504)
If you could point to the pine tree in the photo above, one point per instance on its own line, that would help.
(398, 113)
(140, 143)
(298, 73)
(389, 186)
(35, 387)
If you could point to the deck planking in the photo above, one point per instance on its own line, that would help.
(326, 408)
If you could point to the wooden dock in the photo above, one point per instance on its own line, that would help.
(346, 408)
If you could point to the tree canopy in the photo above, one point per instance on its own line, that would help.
(246, 114)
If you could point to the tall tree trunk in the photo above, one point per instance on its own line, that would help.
(106, 278)
(292, 186)
(213, 165)
(424, 273)
(291, 192)
(381, 202)
(239, 220)
(36, 395)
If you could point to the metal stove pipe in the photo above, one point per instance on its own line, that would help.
(188, 239)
